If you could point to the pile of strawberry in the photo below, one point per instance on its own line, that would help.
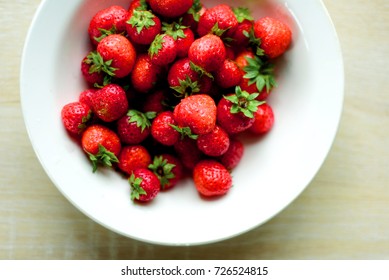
(171, 84)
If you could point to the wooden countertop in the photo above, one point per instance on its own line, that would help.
(343, 214)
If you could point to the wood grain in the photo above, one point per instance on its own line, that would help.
(343, 214)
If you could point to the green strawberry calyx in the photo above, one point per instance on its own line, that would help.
(98, 64)
(105, 32)
(185, 132)
(244, 102)
(261, 73)
(103, 156)
(242, 14)
(200, 70)
(136, 189)
(186, 88)
(141, 19)
(195, 9)
(142, 120)
(163, 170)
(156, 45)
(84, 122)
(174, 29)
(254, 42)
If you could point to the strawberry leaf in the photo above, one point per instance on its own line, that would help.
(156, 45)
(136, 189)
(260, 72)
(103, 157)
(141, 19)
(163, 170)
(105, 33)
(218, 31)
(195, 9)
(98, 64)
(242, 14)
(185, 132)
(243, 102)
(142, 120)
(186, 87)
(174, 29)
(199, 70)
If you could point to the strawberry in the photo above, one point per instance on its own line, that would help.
(188, 152)
(207, 52)
(170, 8)
(142, 27)
(155, 102)
(139, 5)
(145, 74)
(198, 112)
(168, 169)
(214, 143)
(275, 36)
(162, 129)
(92, 75)
(75, 116)
(119, 52)
(86, 96)
(220, 17)
(144, 185)
(211, 178)
(234, 154)
(183, 36)
(183, 78)
(163, 50)
(235, 112)
(192, 16)
(263, 119)
(108, 21)
(110, 103)
(228, 75)
(133, 157)
(135, 126)
(258, 74)
(240, 38)
(101, 144)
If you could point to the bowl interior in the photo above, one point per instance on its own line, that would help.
(275, 168)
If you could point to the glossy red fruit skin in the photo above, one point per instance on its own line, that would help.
(188, 152)
(154, 102)
(228, 75)
(113, 16)
(198, 112)
(96, 135)
(234, 154)
(240, 40)
(215, 143)
(183, 44)
(211, 178)
(145, 74)
(162, 131)
(178, 170)
(74, 115)
(167, 54)
(232, 123)
(208, 52)
(188, 19)
(275, 36)
(110, 103)
(86, 96)
(264, 120)
(133, 157)
(120, 50)
(146, 35)
(91, 78)
(170, 8)
(150, 184)
(129, 132)
(222, 15)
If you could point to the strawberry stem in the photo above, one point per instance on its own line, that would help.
(244, 102)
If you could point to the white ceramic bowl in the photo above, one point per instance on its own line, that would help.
(273, 172)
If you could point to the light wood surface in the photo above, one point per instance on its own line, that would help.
(343, 214)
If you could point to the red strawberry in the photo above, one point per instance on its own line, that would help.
(234, 154)
(91, 75)
(170, 8)
(264, 119)
(235, 112)
(211, 178)
(275, 36)
(86, 96)
(144, 185)
(240, 37)
(133, 157)
(119, 50)
(258, 75)
(228, 75)
(139, 5)
(145, 74)
(168, 169)
(101, 144)
(198, 112)
(75, 116)
(135, 126)
(162, 129)
(188, 152)
(214, 143)
(107, 21)
(163, 50)
(192, 16)
(110, 103)
(184, 79)
(208, 52)
(220, 17)
(183, 36)
(142, 27)
(155, 102)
